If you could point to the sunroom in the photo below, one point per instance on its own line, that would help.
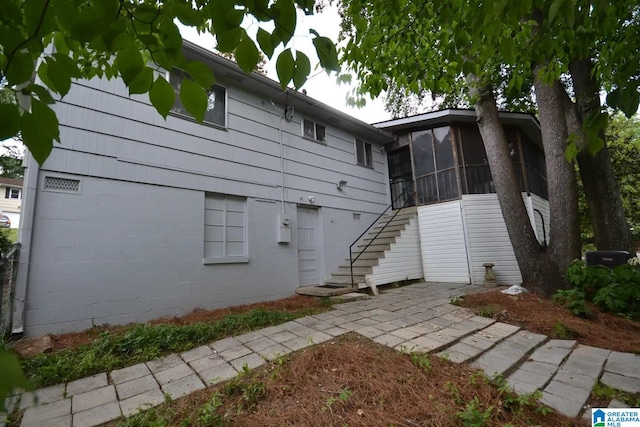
(438, 163)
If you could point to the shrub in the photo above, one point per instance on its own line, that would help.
(616, 291)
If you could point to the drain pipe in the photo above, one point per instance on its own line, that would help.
(284, 112)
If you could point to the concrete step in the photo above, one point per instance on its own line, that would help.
(392, 227)
(344, 281)
(323, 291)
(363, 262)
(385, 234)
(346, 271)
(380, 240)
(374, 247)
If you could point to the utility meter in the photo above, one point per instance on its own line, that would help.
(284, 228)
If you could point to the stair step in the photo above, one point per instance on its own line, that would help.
(374, 247)
(392, 227)
(380, 240)
(367, 255)
(344, 280)
(386, 234)
(357, 271)
(363, 262)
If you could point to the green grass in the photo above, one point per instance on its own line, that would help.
(144, 342)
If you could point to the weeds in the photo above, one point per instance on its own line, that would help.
(561, 331)
(486, 311)
(142, 343)
(606, 393)
(473, 414)
(422, 361)
(343, 397)
(208, 412)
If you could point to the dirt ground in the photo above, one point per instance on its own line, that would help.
(546, 317)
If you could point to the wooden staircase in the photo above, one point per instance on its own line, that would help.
(367, 257)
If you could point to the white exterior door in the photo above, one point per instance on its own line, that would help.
(309, 252)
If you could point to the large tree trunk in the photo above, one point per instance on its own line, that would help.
(564, 235)
(601, 189)
(537, 267)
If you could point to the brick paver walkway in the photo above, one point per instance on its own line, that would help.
(416, 318)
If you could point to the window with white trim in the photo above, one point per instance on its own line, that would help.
(313, 130)
(364, 154)
(225, 228)
(13, 193)
(216, 113)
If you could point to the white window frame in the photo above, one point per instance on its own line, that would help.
(368, 160)
(224, 258)
(315, 131)
(9, 194)
(188, 116)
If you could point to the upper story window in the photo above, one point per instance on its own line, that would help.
(364, 155)
(216, 113)
(13, 193)
(313, 130)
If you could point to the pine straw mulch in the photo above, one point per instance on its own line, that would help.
(546, 317)
(356, 382)
(292, 304)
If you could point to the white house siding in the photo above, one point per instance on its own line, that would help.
(488, 240)
(130, 246)
(402, 260)
(442, 243)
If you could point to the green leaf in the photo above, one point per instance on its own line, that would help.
(143, 81)
(553, 10)
(327, 53)
(285, 68)
(595, 145)
(229, 40)
(9, 121)
(264, 40)
(200, 73)
(283, 13)
(162, 96)
(247, 55)
(12, 377)
(58, 76)
(303, 68)
(20, 68)
(39, 130)
(129, 62)
(194, 98)
(629, 101)
(42, 92)
(571, 152)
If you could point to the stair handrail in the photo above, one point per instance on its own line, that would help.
(351, 260)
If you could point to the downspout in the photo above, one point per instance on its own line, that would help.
(27, 215)
(284, 112)
(25, 237)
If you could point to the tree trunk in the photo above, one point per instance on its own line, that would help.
(538, 268)
(610, 229)
(564, 235)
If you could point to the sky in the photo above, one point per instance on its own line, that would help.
(320, 86)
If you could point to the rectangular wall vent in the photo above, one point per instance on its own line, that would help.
(64, 185)
(357, 216)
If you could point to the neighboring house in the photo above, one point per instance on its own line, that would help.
(11, 199)
(133, 217)
(441, 155)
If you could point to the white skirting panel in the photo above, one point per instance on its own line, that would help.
(442, 243)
